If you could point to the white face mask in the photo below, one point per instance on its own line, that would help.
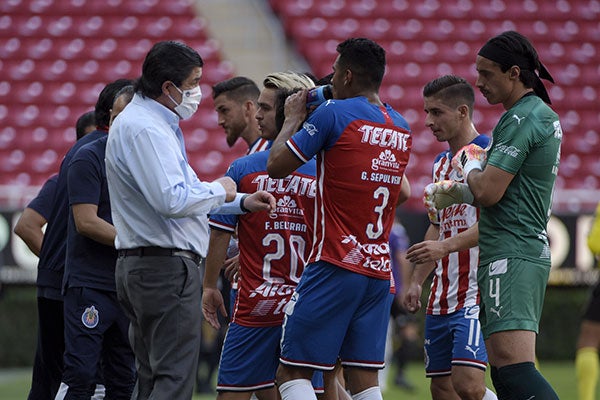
(190, 99)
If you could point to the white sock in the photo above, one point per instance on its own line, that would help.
(372, 393)
(297, 389)
(62, 391)
(99, 393)
(489, 395)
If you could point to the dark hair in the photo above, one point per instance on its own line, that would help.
(452, 90)
(127, 91)
(238, 88)
(105, 101)
(83, 122)
(166, 61)
(326, 80)
(520, 48)
(366, 60)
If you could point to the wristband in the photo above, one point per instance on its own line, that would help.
(242, 206)
(470, 166)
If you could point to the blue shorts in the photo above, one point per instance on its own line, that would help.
(336, 313)
(454, 339)
(250, 358)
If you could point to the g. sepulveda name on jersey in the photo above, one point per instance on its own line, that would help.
(386, 167)
(362, 150)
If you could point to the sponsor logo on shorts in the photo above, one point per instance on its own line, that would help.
(498, 267)
(472, 350)
(472, 312)
(496, 311)
(90, 317)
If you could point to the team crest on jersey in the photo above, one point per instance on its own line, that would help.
(90, 317)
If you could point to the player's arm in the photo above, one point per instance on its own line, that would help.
(282, 161)
(29, 229)
(89, 224)
(404, 191)
(433, 249)
(412, 297)
(212, 299)
(488, 186)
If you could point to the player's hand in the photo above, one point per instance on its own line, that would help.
(295, 106)
(231, 267)
(468, 158)
(427, 251)
(212, 303)
(412, 298)
(443, 194)
(230, 187)
(428, 202)
(260, 201)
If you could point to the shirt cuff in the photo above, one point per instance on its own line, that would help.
(233, 207)
(217, 189)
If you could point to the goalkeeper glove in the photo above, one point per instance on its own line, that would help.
(432, 212)
(443, 194)
(468, 158)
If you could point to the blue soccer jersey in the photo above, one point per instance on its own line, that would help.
(362, 151)
(273, 247)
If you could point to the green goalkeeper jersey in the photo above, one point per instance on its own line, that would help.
(526, 143)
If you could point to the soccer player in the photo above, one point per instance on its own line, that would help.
(273, 249)
(586, 358)
(456, 359)
(514, 190)
(235, 103)
(341, 306)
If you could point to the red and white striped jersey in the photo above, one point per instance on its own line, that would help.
(454, 283)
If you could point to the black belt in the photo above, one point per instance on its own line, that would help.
(160, 252)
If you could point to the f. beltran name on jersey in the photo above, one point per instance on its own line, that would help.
(301, 185)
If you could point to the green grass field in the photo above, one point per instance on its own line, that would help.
(14, 384)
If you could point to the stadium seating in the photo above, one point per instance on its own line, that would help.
(57, 55)
(425, 39)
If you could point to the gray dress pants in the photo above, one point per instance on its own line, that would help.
(162, 298)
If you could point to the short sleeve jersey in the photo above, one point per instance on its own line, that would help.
(454, 283)
(526, 143)
(273, 247)
(89, 263)
(42, 203)
(362, 151)
(54, 245)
